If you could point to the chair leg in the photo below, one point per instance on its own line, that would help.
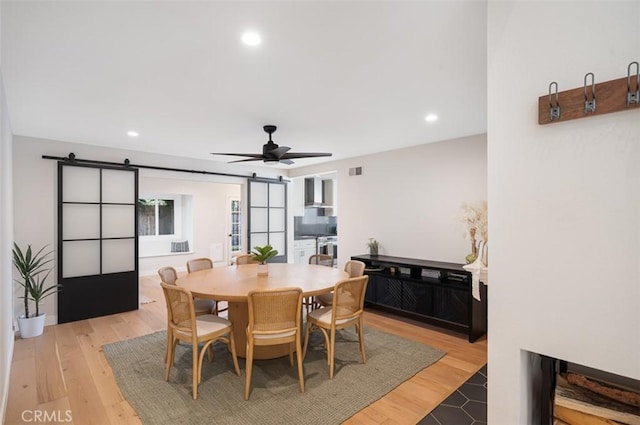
(195, 370)
(331, 348)
(247, 382)
(210, 353)
(326, 343)
(291, 353)
(170, 355)
(299, 358)
(207, 348)
(360, 329)
(232, 345)
(306, 339)
(169, 338)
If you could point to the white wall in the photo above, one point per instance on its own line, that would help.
(408, 199)
(35, 188)
(564, 199)
(6, 243)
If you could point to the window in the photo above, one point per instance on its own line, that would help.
(165, 223)
(235, 226)
(156, 217)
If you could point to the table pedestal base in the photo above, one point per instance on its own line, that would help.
(239, 316)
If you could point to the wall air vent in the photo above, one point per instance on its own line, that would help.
(355, 171)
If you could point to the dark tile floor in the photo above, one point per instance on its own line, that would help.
(466, 406)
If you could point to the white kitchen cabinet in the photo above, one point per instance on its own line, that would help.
(303, 249)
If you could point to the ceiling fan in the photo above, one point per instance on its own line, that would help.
(271, 152)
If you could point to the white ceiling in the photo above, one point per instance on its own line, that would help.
(350, 78)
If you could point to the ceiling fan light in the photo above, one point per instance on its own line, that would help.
(431, 118)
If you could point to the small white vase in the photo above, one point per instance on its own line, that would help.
(32, 326)
(263, 269)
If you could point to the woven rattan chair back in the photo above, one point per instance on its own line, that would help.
(199, 264)
(348, 298)
(168, 275)
(243, 259)
(179, 307)
(354, 268)
(321, 259)
(275, 310)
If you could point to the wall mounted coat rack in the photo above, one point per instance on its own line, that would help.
(592, 99)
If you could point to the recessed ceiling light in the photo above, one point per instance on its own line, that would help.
(431, 118)
(251, 38)
(132, 133)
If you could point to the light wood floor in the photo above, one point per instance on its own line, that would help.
(65, 368)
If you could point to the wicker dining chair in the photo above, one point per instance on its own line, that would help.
(243, 259)
(197, 264)
(274, 319)
(321, 259)
(204, 263)
(346, 310)
(310, 303)
(185, 326)
(353, 268)
(169, 276)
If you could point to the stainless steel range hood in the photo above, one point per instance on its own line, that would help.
(318, 192)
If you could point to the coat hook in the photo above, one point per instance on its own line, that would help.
(635, 96)
(554, 111)
(590, 105)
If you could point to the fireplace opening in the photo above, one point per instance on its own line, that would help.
(563, 392)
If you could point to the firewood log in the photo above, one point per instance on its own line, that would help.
(617, 394)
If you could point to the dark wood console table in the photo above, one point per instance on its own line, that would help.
(433, 292)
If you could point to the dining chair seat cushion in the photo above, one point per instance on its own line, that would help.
(272, 336)
(205, 324)
(201, 304)
(323, 315)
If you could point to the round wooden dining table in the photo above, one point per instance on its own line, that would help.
(233, 283)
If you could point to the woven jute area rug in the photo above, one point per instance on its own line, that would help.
(275, 398)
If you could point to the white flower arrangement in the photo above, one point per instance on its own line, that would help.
(475, 217)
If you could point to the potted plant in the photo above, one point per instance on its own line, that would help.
(262, 254)
(373, 247)
(34, 269)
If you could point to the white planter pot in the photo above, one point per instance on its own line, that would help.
(31, 327)
(263, 269)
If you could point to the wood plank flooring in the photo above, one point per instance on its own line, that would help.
(66, 370)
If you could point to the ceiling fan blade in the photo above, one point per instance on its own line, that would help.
(305, 155)
(278, 152)
(247, 160)
(250, 155)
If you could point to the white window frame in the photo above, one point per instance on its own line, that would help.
(177, 217)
